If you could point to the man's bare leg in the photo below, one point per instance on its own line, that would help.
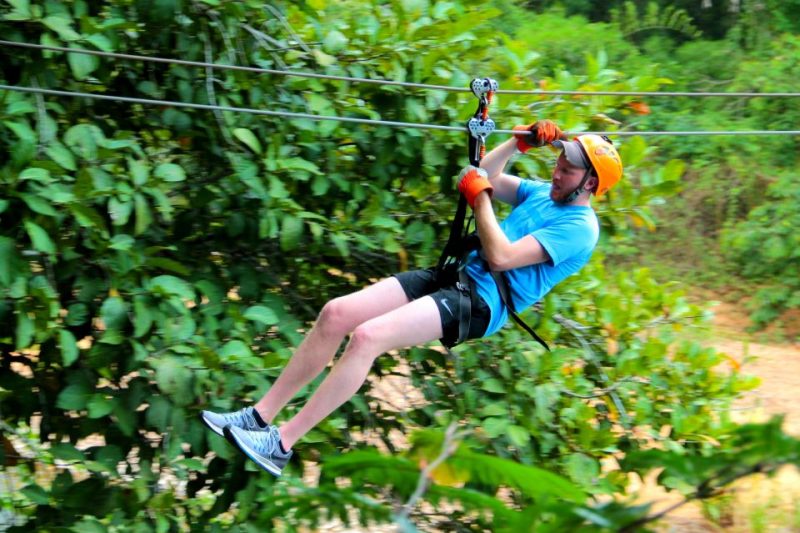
(338, 317)
(415, 323)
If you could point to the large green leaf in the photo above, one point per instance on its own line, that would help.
(518, 435)
(39, 238)
(61, 155)
(82, 65)
(69, 347)
(170, 172)
(143, 316)
(122, 242)
(334, 42)
(62, 25)
(144, 216)
(261, 314)
(174, 379)
(172, 286)
(532, 481)
(21, 130)
(36, 494)
(114, 313)
(8, 257)
(36, 174)
(22, 10)
(66, 452)
(101, 42)
(24, 331)
(83, 140)
(291, 232)
(120, 211)
(99, 406)
(140, 171)
(39, 205)
(158, 414)
(88, 217)
(74, 397)
(235, 349)
(248, 138)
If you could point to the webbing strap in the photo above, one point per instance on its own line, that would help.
(465, 305)
(452, 248)
(505, 295)
(478, 127)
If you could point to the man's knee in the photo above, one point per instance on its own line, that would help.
(365, 340)
(336, 317)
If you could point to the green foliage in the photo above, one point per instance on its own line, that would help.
(156, 261)
(735, 193)
(766, 246)
(714, 19)
(469, 483)
(751, 448)
(633, 22)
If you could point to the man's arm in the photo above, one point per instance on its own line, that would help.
(500, 253)
(505, 186)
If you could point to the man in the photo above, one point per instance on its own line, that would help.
(549, 235)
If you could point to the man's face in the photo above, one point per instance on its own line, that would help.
(566, 177)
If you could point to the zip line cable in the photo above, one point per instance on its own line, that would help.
(411, 125)
(386, 82)
(209, 107)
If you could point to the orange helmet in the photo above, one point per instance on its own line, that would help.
(602, 155)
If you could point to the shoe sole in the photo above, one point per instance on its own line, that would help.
(213, 427)
(221, 433)
(251, 454)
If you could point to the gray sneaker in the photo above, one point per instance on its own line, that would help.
(243, 418)
(261, 446)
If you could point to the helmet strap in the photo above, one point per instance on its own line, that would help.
(579, 189)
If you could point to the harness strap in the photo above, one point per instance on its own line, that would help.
(478, 128)
(505, 295)
(465, 305)
(452, 248)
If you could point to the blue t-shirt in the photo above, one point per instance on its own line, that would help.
(568, 233)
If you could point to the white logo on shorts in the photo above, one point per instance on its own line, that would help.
(444, 303)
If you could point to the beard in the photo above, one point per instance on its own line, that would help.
(557, 194)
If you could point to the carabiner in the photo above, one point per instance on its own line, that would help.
(483, 86)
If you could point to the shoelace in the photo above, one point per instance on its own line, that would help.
(245, 418)
(267, 441)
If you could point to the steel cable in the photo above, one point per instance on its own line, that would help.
(259, 70)
(391, 123)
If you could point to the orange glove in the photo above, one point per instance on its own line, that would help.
(542, 132)
(472, 181)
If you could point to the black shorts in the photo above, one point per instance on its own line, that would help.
(419, 283)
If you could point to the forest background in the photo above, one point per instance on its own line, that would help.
(156, 260)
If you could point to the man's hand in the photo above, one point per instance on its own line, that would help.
(542, 132)
(471, 182)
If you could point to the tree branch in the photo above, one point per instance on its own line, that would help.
(604, 392)
(705, 490)
(577, 330)
(288, 27)
(449, 447)
(212, 96)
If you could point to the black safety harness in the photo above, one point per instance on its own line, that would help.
(461, 242)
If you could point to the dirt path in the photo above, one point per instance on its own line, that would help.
(778, 366)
